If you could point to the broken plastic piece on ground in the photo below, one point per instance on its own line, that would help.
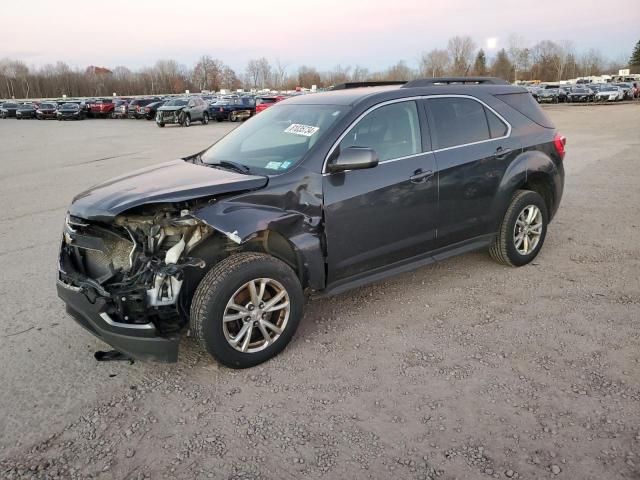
(111, 355)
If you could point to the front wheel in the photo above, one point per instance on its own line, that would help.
(246, 309)
(161, 125)
(522, 231)
(186, 121)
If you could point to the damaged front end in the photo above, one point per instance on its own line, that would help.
(122, 280)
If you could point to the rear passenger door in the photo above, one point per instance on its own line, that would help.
(377, 216)
(473, 147)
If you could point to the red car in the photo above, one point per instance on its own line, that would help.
(102, 107)
(266, 102)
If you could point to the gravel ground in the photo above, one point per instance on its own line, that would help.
(464, 369)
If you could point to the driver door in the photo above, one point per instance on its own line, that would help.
(386, 214)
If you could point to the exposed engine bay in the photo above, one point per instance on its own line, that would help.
(136, 264)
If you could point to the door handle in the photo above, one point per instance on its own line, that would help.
(501, 153)
(420, 176)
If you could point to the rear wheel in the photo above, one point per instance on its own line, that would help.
(233, 117)
(205, 118)
(246, 309)
(161, 125)
(522, 231)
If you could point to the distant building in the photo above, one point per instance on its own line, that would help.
(93, 70)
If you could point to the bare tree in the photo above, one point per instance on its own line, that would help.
(279, 74)
(461, 50)
(561, 56)
(515, 51)
(308, 76)
(360, 74)
(434, 63)
(591, 63)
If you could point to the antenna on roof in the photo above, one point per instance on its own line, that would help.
(426, 82)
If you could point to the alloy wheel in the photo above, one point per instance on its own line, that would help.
(256, 315)
(528, 230)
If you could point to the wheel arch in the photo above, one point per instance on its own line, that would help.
(532, 170)
(272, 242)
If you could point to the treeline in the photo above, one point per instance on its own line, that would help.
(545, 61)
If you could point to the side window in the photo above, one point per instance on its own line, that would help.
(457, 121)
(393, 131)
(497, 127)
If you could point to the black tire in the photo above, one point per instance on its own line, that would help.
(218, 119)
(217, 288)
(232, 117)
(205, 118)
(186, 121)
(503, 249)
(161, 125)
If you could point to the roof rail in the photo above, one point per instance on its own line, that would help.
(425, 82)
(344, 86)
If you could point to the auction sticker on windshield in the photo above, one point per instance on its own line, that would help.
(304, 130)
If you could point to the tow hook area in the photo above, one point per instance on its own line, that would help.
(111, 356)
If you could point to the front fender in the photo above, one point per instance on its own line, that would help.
(242, 221)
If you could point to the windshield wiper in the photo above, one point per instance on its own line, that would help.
(239, 167)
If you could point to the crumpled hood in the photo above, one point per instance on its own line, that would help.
(173, 181)
(171, 108)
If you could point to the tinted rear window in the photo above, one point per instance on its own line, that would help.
(527, 106)
(496, 126)
(457, 121)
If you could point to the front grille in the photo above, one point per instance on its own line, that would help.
(101, 251)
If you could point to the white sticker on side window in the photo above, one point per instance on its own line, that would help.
(304, 130)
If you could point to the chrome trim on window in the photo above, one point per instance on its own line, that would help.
(414, 98)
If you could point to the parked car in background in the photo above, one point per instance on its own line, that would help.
(627, 89)
(609, 93)
(69, 111)
(580, 93)
(265, 102)
(151, 110)
(26, 110)
(46, 110)
(8, 109)
(136, 107)
(102, 107)
(183, 111)
(232, 108)
(551, 94)
(120, 108)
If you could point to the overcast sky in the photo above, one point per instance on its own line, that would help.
(372, 33)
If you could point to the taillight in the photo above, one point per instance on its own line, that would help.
(560, 141)
(222, 109)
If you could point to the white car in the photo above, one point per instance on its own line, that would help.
(609, 93)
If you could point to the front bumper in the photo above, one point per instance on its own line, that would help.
(140, 341)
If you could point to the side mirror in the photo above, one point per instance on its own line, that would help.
(354, 158)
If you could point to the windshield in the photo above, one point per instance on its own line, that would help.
(274, 141)
(175, 103)
(47, 105)
(70, 105)
(10, 105)
(265, 100)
